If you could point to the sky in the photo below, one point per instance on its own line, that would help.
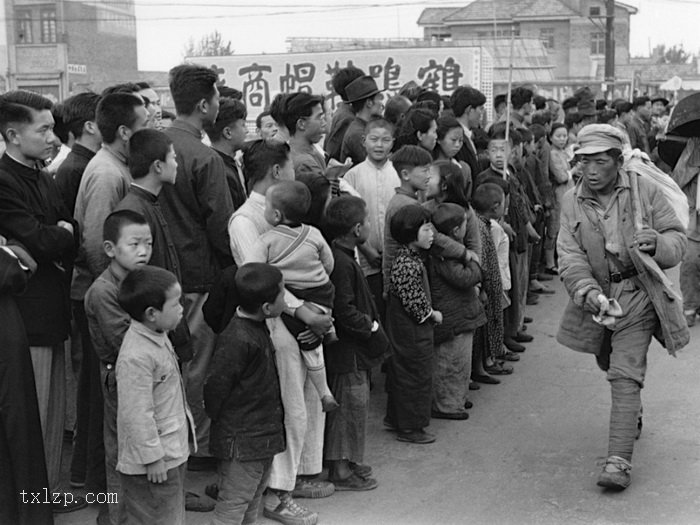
(165, 27)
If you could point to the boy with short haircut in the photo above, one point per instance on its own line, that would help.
(242, 396)
(375, 179)
(227, 135)
(351, 359)
(127, 243)
(153, 419)
(152, 165)
(305, 259)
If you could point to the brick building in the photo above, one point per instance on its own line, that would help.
(572, 31)
(63, 46)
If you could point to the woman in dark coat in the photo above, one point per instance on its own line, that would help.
(22, 462)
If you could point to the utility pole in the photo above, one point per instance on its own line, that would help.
(610, 47)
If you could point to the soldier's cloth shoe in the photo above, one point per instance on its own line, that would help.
(615, 474)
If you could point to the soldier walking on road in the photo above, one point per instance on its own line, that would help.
(618, 232)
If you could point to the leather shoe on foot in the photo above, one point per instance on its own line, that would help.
(513, 346)
(486, 379)
(196, 503)
(523, 338)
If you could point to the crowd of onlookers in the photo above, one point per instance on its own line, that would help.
(228, 300)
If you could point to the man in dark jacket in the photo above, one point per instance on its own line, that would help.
(32, 213)
(21, 447)
(197, 209)
(79, 116)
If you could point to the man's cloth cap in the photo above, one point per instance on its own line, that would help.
(361, 88)
(597, 138)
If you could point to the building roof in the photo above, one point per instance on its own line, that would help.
(479, 11)
(435, 15)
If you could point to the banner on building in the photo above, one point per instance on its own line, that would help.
(261, 77)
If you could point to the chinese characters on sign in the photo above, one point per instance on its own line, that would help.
(261, 77)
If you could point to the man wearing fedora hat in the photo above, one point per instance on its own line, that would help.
(365, 99)
(616, 226)
(586, 107)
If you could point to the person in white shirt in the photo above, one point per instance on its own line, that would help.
(375, 179)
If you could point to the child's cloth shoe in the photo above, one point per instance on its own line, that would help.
(329, 403)
(290, 512)
(615, 474)
(312, 488)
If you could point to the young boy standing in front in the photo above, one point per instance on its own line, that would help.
(362, 345)
(127, 243)
(153, 419)
(242, 396)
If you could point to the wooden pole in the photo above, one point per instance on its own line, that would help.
(508, 97)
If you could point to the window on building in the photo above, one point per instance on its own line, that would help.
(502, 31)
(597, 43)
(441, 37)
(547, 37)
(48, 26)
(24, 26)
(594, 11)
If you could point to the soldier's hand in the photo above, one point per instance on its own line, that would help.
(592, 303)
(646, 240)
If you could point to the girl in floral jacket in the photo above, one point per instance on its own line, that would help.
(409, 317)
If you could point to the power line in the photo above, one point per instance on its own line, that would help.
(320, 9)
